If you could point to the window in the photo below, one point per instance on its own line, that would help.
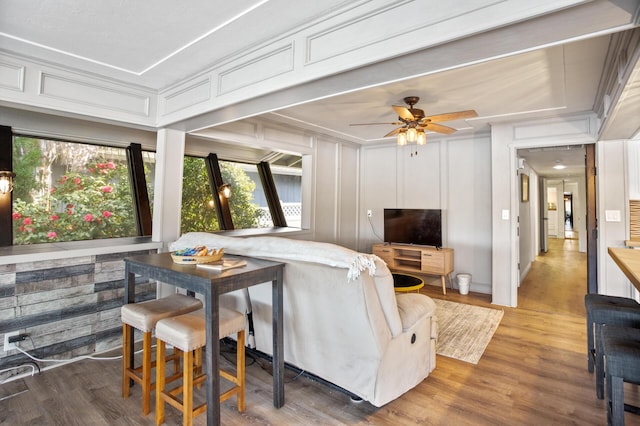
(69, 191)
(248, 204)
(198, 213)
(289, 185)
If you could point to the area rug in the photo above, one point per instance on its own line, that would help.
(464, 331)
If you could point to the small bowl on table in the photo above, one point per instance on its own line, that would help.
(215, 256)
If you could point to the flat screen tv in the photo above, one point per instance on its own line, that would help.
(413, 226)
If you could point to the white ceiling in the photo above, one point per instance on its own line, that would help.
(158, 44)
(148, 43)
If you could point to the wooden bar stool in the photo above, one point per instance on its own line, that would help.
(622, 364)
(187, 333)
(608, 311)
(144, 316)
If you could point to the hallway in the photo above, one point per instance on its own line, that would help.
(557, 280)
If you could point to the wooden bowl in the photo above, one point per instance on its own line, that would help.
(194, 260)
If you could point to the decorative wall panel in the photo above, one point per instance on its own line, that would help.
(110, 98)
(195, 93)
(264, 67)
(11, 76)
(288, 136)
(576, 127)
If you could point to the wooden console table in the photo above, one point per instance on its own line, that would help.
(417, 260)
(211, 284)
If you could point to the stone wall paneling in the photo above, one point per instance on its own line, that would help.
(68, 307)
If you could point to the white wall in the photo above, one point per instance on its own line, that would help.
(612, 195)
(469, 214)
(335, 192)
(452, 174)
(633, 183)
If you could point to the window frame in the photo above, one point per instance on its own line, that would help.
(222, 206)
(137, 181)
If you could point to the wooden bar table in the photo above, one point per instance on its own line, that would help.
(211, 284)
(629, 262)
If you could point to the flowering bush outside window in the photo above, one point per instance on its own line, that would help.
(69, 191)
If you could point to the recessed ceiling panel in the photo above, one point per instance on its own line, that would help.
(532, 81)
(133, 36)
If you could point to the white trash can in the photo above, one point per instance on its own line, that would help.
(463, 283)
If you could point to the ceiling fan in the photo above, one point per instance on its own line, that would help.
(413, 122)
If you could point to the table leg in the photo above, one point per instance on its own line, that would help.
(212, 353)
(278, 341)
(130, 297)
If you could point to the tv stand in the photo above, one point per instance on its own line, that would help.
(415, 259)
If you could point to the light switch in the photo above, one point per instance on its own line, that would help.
(612, 215)
(505, 214)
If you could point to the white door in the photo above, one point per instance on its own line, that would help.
(544, 226)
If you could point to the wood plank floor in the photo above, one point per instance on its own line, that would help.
(532, 373)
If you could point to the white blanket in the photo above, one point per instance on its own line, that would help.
(283, 248)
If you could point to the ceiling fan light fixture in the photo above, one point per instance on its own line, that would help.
(412, 134)
(402, 138)
(413, 122)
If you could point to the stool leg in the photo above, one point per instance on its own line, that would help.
(176, 359)
(240, 369)
(160, 380)
(197, 361)
(617, 401)
(187, 389)
(600, 374)
(146, 373)
(126, 360)
(590, 342)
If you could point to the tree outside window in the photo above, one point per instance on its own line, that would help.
(198, 212)
(70, 191)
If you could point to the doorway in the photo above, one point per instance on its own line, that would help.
(569, 231)
(561, 225)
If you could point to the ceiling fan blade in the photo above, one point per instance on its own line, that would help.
(403, 113)
(438, 128)
(393, 132)
(397, 123)
(459, 115)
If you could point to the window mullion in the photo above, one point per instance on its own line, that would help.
(221, 203)
(139, 189)
(271, 194)
(6, 200)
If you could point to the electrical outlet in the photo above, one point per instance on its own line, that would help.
(8, 346)
(369, 213)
